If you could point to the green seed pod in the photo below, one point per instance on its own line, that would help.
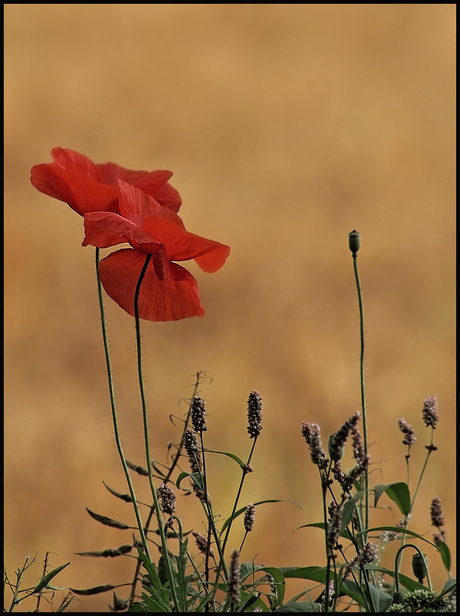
(162, 570)
(354, 241)
(335, 449)
(418, 567)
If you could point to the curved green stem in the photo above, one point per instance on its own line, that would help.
(114, 411)
(398, 563)
(147, 439)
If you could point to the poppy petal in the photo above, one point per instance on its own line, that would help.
(105, 229)
(169, 300)
(74, 161)
(156, 185)
(136, 205)
(183, 246)
(82, 193)
(111, 173)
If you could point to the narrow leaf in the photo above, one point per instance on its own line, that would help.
(345, 533)
(107, 521)
(230, 455)
(48, 577)
(137, 469)
(124, 549)
(125, 497)
(395, 529)
(348, 509)
(93, 591)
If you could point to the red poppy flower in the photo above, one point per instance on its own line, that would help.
(88, 187)
(138, 207)
(168, 291)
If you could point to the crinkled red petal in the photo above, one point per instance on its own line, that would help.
(182, 245)
(74, 161)
(82, 193)
(169, 300)
(136, 205)
(104, 229)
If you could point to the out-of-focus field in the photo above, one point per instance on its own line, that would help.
(286, 126)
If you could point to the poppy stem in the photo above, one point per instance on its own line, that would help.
(156, 503)
(354, 247)
(114, 411)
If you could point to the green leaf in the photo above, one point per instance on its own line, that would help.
(240, 462)
(445, 554)
(299, 606)
(348, 509)
(182, 476)
(395, 529)
(248, 569)
(317, 574)
(450, 584)
(398, 492)
(48, 577)
(96, 590)
(345, 533)
(107, 521)
(155, 597)
(404, 580)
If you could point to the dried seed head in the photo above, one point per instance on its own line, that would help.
(168, 499)
(234, 581)
(338, 439)
(437, 515)
(249, 517)
(409, 436)
(335, 447)
(334, 523)
(197, 414)
(202, 543)
(437, 537)
(369, 553)
(430, 412)
(306, 432)
(317, 454)
(118, 604)
(193, 451)
(254, 414)
(358, 447)
(350, 566)
(327, 597)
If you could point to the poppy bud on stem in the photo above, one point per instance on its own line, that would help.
(354, 242)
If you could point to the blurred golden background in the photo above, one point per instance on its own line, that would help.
(286, 126)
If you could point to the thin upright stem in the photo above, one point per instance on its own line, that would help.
(166, 479)
(147, 439)
(363, 398)
(114, 411)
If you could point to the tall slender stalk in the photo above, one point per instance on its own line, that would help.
(166, 479)
(147, 439)
(114, 411)
(355, 243)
